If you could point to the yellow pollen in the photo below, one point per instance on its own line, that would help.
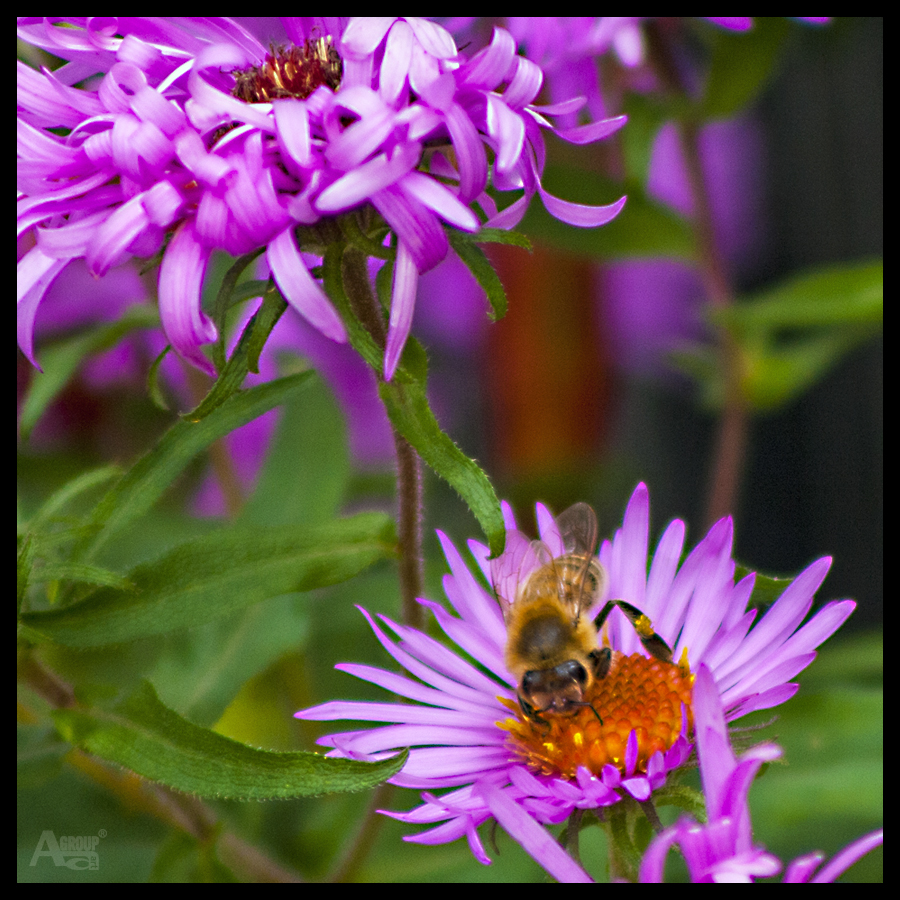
(640, 694)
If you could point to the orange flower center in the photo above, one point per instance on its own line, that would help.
(640, 694)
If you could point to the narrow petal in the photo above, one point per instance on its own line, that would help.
(532, 836)
(35, 272)
(300, 289)
(180, 284)
(403, 299)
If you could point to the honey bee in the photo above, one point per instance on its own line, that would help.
(552, 647)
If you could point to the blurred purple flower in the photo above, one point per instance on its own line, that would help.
(568, 48)
(653, 307)
(722, 850)
(465, 728)
(188, 137)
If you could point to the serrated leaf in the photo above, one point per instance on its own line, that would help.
(483, 272)
(154, 473)
(244, 357)
(61, 360)
(409, 412)
(144, 735)
(407, 406)
(215, 575)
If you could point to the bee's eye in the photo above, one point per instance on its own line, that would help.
(574, 670)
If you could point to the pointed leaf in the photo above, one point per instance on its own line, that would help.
(144, 735)
(409, 412)
(245, 357)
(217, 574)
(845, 294)
(482, 270)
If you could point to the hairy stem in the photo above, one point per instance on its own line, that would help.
(409, 465)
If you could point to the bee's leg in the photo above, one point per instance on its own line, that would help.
(651, 641)
(531, 713)
(593, 710)
(601, 659)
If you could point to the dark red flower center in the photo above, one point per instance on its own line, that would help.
(290, 72)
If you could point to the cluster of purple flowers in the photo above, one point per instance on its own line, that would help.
(188, 136)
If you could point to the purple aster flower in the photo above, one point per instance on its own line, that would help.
(186, 136)
(469, 735)
(722, 850)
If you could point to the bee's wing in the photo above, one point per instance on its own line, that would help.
(578, 530)
(506, 568)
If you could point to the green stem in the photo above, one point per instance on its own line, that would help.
(409, 466)
(365, 306)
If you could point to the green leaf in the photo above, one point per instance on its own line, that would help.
(39, 755)
(199, 672)
(775, 377)
(215, 575)
(793, 333)
(307, 467)
(644, 228)
(154, 390)
(61, 360)
(482, 270)
(766, 588)
(147, 737)
(62, 498)
(409, 412)
(225, 298)
(80, 573)
(333, 281)
(842, 294)
(493, 236)
(154, 473)
(245, 357)
(24, 564)
(741, 64)
(407, 406)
